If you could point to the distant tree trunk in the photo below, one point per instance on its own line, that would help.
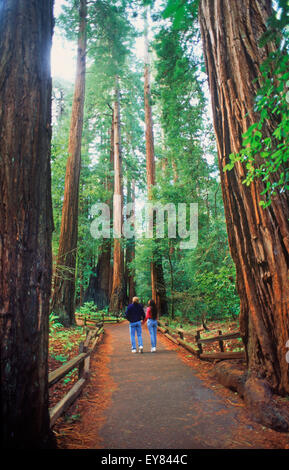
(157, 277)
(258, 239)
(170, 253)
(110, 187)
(117, 299)
(130, 248)
(25, 221)
(81, 288)
(175, 171)
(63, 302)
(99, 287)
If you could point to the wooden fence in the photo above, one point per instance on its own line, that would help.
(198, 349)
(82, 361)
(220, 339)
(90, 320)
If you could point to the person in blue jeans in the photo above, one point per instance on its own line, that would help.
(135, 314)
(152, 319)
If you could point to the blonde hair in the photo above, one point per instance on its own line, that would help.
(135, 300)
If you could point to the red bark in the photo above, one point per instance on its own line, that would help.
(157, 277)
(117, 299)
(100, 282)
(130, 249)
(258, 239)
(25, 221)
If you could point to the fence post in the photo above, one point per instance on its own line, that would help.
(221, 343)
(82, 349)
(197, 337)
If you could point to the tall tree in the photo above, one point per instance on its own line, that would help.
(63, 301)
(157, 277)
(258, 238)
(130, 246)
(99, 287)
(25, 221)
(117, 299)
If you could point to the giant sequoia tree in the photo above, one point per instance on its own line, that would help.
(259, 239)
(25, 220)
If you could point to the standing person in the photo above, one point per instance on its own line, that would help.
(151, 318)
(134, 314)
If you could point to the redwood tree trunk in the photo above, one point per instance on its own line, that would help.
(99, 287)
(130, 248)
(259, 239)
(157, 277)
(117, 299)
(63, 301)
(25, 221)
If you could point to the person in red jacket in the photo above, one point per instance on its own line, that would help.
(151, 318)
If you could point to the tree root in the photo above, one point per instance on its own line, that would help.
(256, 393)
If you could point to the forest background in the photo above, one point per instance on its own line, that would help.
(199, 284)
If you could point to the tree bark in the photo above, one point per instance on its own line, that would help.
(25, 221)
(170, 253)
(117, 299)
(258, 239)
(63, 302)
(130, 248)
(157, 277)
(100, 282)
(98, 287)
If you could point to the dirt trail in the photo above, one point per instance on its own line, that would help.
(158, 401)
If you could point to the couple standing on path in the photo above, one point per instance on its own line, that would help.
(136, 316)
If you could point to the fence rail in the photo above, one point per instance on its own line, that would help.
(82, 360)
(90, 320)
(198, 351)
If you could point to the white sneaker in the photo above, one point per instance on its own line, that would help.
(140, 349)
(133, 350)
(153, 349)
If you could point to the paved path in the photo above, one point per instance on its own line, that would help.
(159, 403)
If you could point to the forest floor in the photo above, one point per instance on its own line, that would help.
(213, 327)
(165, 400)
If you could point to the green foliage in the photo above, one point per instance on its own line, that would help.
(88, 310)
(109, 39)
(180, 11)
(54, 323)
(265, 150)
(69, 376)
(59, 357)
(198, 281)
(224, 303)
(68, 338)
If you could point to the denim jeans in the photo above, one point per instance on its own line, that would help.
(153, 327)
(135, 328)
